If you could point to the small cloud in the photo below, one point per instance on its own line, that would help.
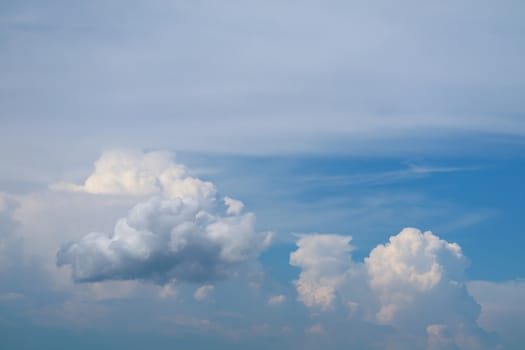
(352, 308)
(168, 291)
(203, 292)
(316, 329)
(277, 299)
(235, 206)
(322, 258)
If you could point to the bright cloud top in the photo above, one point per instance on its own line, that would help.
(410, 265)
(137, 173)
(414, 283)
(175, 235)
(203, 292)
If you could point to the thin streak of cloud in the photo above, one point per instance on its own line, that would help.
(411, 172)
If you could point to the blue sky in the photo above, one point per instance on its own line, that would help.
(278, 174)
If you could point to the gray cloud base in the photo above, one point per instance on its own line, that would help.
(165, 239)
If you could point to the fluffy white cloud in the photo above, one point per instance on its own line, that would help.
(136, 173)
(324, 261)
(413, 283)
(413, 264)
(235, 207)
(203, 292)
(178, 236)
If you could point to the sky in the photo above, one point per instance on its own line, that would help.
(267, 175)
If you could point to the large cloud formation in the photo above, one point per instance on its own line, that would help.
(177, 234)
(414, 283)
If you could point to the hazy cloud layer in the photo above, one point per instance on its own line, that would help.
(362, 73)
(502, 308)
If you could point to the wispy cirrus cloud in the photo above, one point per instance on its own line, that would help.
(412, 171)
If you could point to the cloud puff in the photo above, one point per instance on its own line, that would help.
(276, 299)
(234, 206)
(203, 292)
(324, 261)
(164, 238)
(136, 173)
(410, 265)
(413, 283)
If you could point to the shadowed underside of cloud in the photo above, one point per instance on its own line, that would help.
(413, 283)
(175, 235)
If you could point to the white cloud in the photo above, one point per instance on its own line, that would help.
(412, 263)
(120, 172)
(413, 283)
(324, 260)
(203, 292)
(235, 207)
(179, 237)
(276, 299)
(161, 239)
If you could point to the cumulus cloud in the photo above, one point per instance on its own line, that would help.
(413, 283)
(203, 292)
(413, 265)
(120, 172)
(324, 261)
(175, 236)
